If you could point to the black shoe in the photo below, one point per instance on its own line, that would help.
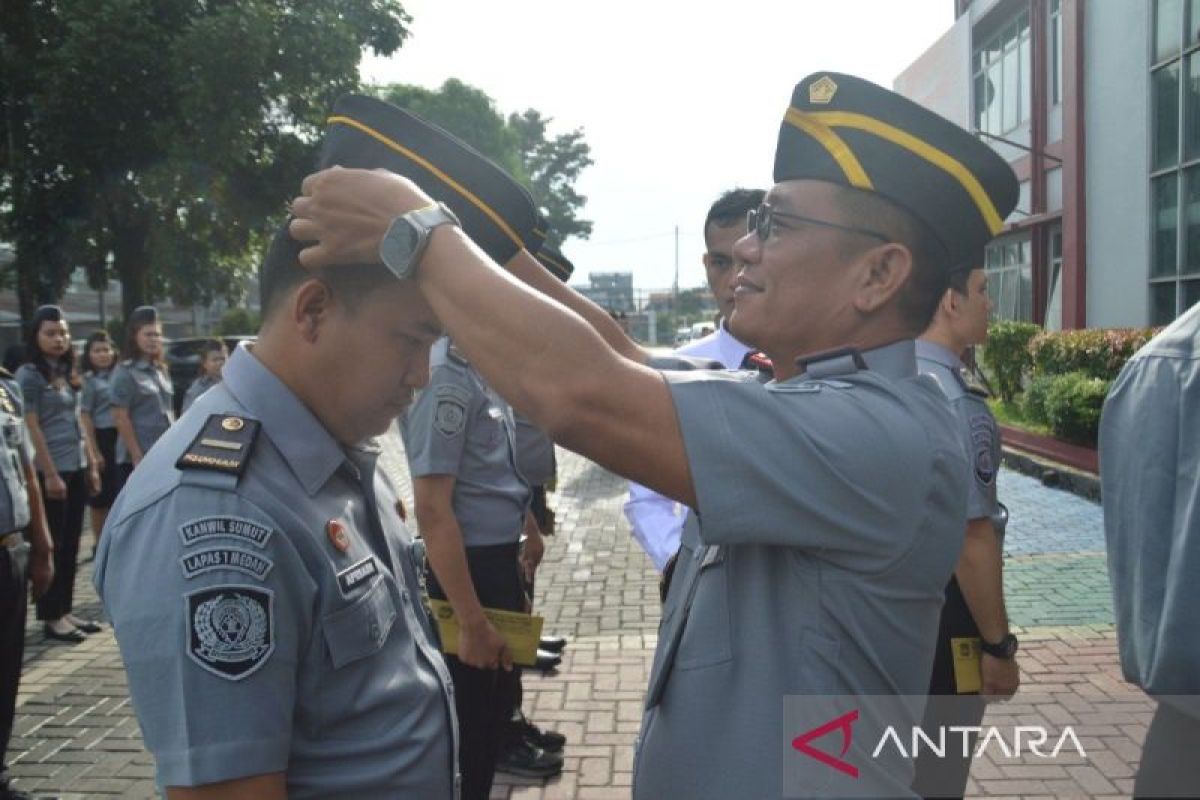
(522, 758)
(550, 741)
(547, 661)
(552, 644)
(87, 626)
(9, 793)
(73, 636)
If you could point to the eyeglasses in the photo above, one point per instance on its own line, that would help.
(761, 220)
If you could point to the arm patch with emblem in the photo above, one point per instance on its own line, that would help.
(983, 435)
(450, 410)
(230, 629)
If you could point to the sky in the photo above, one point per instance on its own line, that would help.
(678, 100)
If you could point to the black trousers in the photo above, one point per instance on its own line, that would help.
(1169, 767)
(12, 639)
(65, 520)
(484, 698)
(947, 776)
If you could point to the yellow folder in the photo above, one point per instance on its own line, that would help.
(521, 631)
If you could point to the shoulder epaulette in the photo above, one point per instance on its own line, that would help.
(223, 445)
(457, 356)
(971, 382)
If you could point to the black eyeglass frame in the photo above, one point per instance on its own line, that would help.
(759, 222)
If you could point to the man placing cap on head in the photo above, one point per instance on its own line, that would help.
(830, 502)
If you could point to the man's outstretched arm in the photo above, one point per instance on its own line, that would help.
(541, 356)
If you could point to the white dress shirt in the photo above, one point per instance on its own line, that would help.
(657, 521)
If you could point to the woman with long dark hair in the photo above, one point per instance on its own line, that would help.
(65, 460)
(99, 359)
(142, 395)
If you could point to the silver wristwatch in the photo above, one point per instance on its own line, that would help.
(406, 239)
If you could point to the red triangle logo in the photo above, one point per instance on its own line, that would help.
(844, 724)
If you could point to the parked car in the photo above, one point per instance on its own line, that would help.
(183, 361)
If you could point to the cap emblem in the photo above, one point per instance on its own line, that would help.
(822, 90)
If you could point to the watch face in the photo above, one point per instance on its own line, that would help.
(399, 246)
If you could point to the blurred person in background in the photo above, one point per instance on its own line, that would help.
(95, 412)
(213, 356)
(142, 395)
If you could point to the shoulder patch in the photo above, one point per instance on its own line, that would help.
(247, 530)
(199, 562)
(450, 413)
(230, 629)
(983, 432)
(223, 445)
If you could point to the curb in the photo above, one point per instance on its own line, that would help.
(1054, 474)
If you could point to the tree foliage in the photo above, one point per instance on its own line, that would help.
(522, 144)
(160, 138)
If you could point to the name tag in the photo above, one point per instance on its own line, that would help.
(357, 574)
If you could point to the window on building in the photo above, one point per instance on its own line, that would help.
(1175, 159)
(1009, 270)
(1056, 52)
(1001, 73)
(1052, 319)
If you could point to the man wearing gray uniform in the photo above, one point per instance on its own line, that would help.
(975, 656)
(1149, 461)
(830, 503)
(261, 584)
(26, 556)
(471, 503)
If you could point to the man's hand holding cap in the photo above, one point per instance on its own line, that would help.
(346, 212)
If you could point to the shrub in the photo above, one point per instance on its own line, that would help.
(1072, 406)
(1006, 355)
(1098, 352)
(236, 322)
(1033, 402)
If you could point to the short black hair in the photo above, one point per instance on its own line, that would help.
(731, 207)
(281, 272)
(96, 338)
(931, 269)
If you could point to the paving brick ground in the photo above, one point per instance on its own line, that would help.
(77, 737)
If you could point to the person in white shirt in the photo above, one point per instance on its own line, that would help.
(656, 521)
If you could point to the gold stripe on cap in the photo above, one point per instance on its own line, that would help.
(848, 119)
(837, 148)
(453, 184)
(550, 262)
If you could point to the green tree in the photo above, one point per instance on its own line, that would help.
(163, 136)
(521, 144)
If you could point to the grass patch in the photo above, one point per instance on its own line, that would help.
(1010, 414)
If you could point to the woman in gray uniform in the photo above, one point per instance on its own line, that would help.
(95, 411)
(51, 385)
(142, 396)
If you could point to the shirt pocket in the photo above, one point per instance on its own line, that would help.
(361, 628)
(706, 639)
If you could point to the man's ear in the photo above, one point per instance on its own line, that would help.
(885, 271)
(950, 302)
(311, 306)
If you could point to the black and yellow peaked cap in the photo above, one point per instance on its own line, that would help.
(846, 130)
(495, 210)
(552, 259)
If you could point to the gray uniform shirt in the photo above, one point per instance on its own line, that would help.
(15, 454)
(198, 387)
(57, 410)
(831, 511)
(458, 426)
(97, 398)
(977, 428)
(535, 452)
(147, 393)
(1149, 463)
(274, 622)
